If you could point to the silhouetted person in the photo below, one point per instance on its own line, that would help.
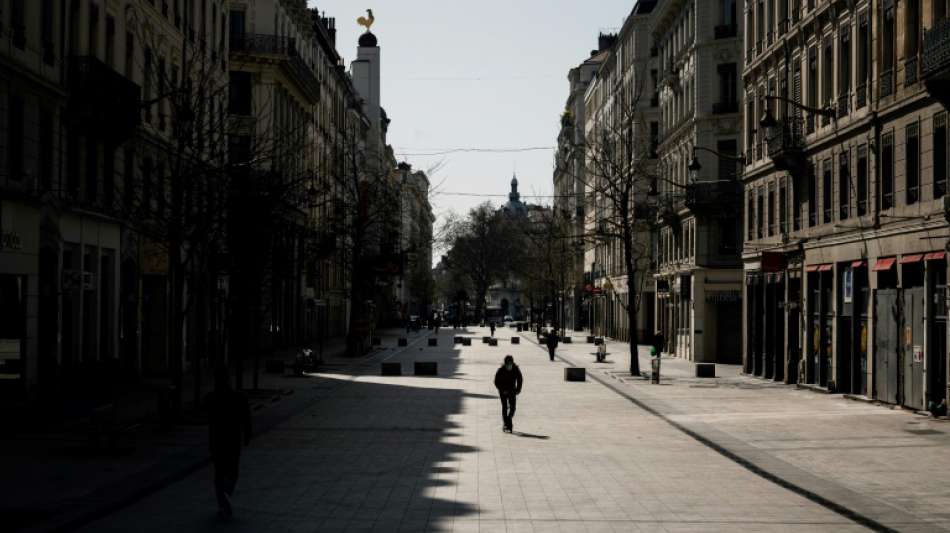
(539, 331)
(552, 342)
(508, 381)
(229, 426)
(658, 343)
(491, 326)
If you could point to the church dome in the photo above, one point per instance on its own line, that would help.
(368, 40)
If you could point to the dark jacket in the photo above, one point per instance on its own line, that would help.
(552, 340)
(658, 343)
(508, 380)
(229, 422)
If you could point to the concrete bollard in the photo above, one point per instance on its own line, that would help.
(705, 370)
(391, 369)
(485, 340)
(590, 339)
(403, 341)
(493, 342)
(426, 368)
(575, 374)
(433, 342)
(466, 341)
(566, 340)
(377, 341)
(457, 339)
(516, 340)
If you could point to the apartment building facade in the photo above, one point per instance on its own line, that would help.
(845, 236)
(698, 275)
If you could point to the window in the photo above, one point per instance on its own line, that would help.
(160, 188)
(799, 202)
(812, 196)
(827, 75)
(728, 235)
(46, 150)
(887, 171)
(108, 176)
(147, 84)
(844, 186)
(862, 180)
(654, 139)
(72, 164)
(728, 12)
(912, 28)
(888, 41)
(771, 211)
(93, 49)
(18, 24)
(15, 137)
(110, 41)
(128, 178)
(728, 91)
(750, 216)
(864, 54)
(844, 71)
(92, 170)
(240, 94)
(812, 86)
(728, 165)
(129, 54)
(46, 32)
(237, 23)
(912, 164)
(760, 213)
(146, 184)
(940, 155)
(783, 209)
(826, 192)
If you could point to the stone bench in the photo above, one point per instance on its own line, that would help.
(426, 368)
(391, 369)
(705, 370)
(575, 374)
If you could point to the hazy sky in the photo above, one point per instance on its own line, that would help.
(477, 74)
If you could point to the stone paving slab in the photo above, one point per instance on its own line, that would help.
(427, 454)
(870, 459)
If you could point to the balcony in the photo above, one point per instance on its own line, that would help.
(787, 145)
(725, 31)
(722, 108)
(706, 197)
(910, 71)
(282, 50)
(102, 101)
(935, 66)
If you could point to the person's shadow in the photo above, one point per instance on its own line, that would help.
(530, 435)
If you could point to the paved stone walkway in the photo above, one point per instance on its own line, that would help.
(428, 454)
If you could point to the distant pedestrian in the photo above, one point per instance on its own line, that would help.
(438, 323)
(508, 381)
(491, 326)
(229, 426)
(538, 327)
(658, 342)
(552, 342)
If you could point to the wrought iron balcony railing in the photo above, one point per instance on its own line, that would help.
(886, 83)
(284, 48)
(935, 62)
(787, 144)
(102, 101)
(844, 105)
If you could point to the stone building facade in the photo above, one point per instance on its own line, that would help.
(845, 236)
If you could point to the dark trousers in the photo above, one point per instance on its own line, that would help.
(551, 352)
(225, 475)
(509, 401)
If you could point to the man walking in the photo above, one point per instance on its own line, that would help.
(552, 342)
(229, 424)
(491, 326)
(508, 381)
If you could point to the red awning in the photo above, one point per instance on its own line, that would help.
(825, 268)
(883, 265)
(914, 258)
(858, 264)
(935, 256)
(811, 268)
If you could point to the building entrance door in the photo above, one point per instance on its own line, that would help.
(937, 349)
(886, 366)
(794, 329)
(912, 348)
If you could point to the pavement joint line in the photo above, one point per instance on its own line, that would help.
(749, 465)
(136, 495)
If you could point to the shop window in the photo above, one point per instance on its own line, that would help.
(12, 325)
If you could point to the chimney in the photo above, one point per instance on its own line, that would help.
(605, 41)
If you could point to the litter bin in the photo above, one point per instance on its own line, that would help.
(654, 366)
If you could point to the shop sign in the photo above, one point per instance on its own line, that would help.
(848, 283)
(10, 240)
(918, 353)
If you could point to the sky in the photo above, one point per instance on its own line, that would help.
(463, 74)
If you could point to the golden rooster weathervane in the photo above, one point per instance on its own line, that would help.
(367, 21)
